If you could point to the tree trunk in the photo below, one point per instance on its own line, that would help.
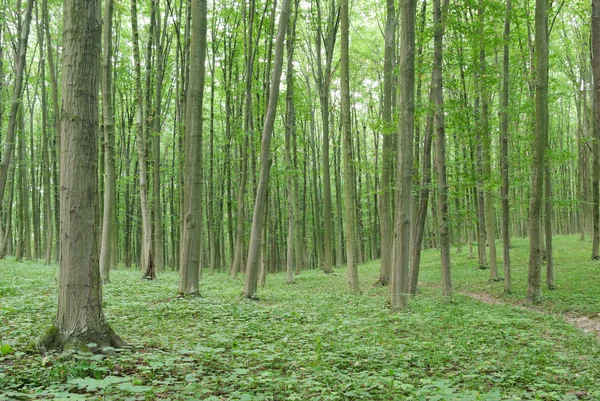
(504, 155)
(419, 230)
(534, 287)
(160, 38)
(17, 95)
(596, 126)
(265, 158)
(403, 201)
(290, 128)
(349, 178)
(440, 142)
(48, 218)
(388, 153)
(548, 228)
(109, 146)
(80, 318)
(191, 242)
(146, 257)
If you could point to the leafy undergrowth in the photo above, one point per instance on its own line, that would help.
(308, 341)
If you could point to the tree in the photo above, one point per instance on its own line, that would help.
(406, 105)
(191, 242)
(596, 75)
(440, 141)
(323, 77)
(387, 164)
(504, 154)
(534, 291)
(109, 146)
(16, 98)
(80, 319)
(349, 177)
(258, 216)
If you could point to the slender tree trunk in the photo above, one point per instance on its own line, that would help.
(596, 125)
(109, 146)
(403, 201)
(504, 154)
(265, 157)
(324, 82)
(548, 228)
(48, 218)
(17, 95)
(417, 241)
(160, 38)
(146, 259)
(388, 153)
(191, 243)
(440, 142)
(55, 151)
(534, 288)
(290, 128)
(80, 319)
(490, 226)
(349, 178)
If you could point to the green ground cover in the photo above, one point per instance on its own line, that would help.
(313, 340)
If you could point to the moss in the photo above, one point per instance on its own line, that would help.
(93, 342)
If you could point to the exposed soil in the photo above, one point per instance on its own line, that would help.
(586, 323)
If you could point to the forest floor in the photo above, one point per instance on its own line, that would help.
(314, 340)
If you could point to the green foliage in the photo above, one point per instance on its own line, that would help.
(312, 341)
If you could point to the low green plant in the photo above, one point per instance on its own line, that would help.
(312, 341)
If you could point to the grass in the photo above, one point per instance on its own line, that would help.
(312, 340)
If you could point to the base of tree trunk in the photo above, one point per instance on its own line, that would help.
(90, 341)
(195, 294)
(381, 282)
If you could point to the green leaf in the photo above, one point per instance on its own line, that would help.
(5, 349)
(132, 388)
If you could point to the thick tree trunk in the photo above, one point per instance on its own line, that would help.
(80, 319)
(265, 158)
(191, 243)
(534, 287)
(403, 201)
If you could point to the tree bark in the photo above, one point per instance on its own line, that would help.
(403, 201)
(534, 288)
(17, 95)
(109, 146)
(440, 142)
(146, 257)
(388, 153)
(504, 154)
(80, 319)
(191, 243)
(265, 158)
(349, 178)
(596, 125)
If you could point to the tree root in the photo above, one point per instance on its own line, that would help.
(54, 340)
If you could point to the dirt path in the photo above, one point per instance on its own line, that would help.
(585, 323)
